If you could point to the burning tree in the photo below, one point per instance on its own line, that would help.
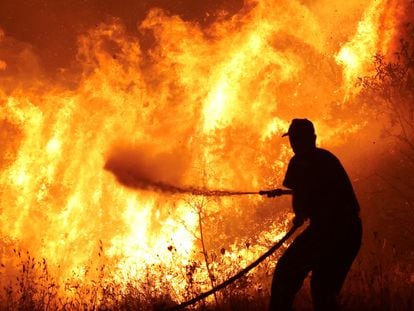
(391, 90)
(392, 86)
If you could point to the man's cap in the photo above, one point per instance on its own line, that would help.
(300, 127)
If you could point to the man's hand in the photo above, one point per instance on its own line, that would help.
(272, 193)
(275, 192)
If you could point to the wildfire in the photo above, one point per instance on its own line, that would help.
(205, 106)
(356, 55)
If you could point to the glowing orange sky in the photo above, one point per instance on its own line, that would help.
(53, 26)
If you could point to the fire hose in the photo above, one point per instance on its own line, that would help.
(239, 274)
(249, 267)
(221, 193)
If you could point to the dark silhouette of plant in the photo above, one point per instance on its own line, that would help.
(392, 86)
(391, 91)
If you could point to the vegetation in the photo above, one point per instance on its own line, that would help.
(382, 277)
(376, 282)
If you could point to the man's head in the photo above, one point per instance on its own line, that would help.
(301, 136)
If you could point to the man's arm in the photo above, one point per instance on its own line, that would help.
(298, 203)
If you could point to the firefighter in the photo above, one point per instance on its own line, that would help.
(322, 193)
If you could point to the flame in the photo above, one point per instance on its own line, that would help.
(205, 104)
(356, 55)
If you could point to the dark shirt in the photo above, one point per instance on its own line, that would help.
(321, 188)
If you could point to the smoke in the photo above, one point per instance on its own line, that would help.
(397, 26)
(19, 63)
(142, 168)
(53, 27)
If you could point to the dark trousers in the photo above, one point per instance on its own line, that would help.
(328, 254)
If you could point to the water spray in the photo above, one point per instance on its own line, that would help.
(157, 173)
(135, 181)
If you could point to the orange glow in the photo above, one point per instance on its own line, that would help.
(204, 107)
(356, 55)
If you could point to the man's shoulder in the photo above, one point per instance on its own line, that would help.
(319, 157)
(327, 161)
(325, 155)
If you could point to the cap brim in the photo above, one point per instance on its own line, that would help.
(286, 134)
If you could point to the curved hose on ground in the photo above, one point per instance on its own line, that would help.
(239, 274)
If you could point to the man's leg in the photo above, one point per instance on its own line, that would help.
(290, 271)
(324, 293)
(330, 272)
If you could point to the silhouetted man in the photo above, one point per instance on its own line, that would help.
(322, 193)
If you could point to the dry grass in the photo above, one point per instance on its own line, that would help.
(377, 281)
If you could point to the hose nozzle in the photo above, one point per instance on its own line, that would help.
(275, 192)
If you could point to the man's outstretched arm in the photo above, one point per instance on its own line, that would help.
(275, 192)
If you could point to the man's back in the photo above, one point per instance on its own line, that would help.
(322, 188)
